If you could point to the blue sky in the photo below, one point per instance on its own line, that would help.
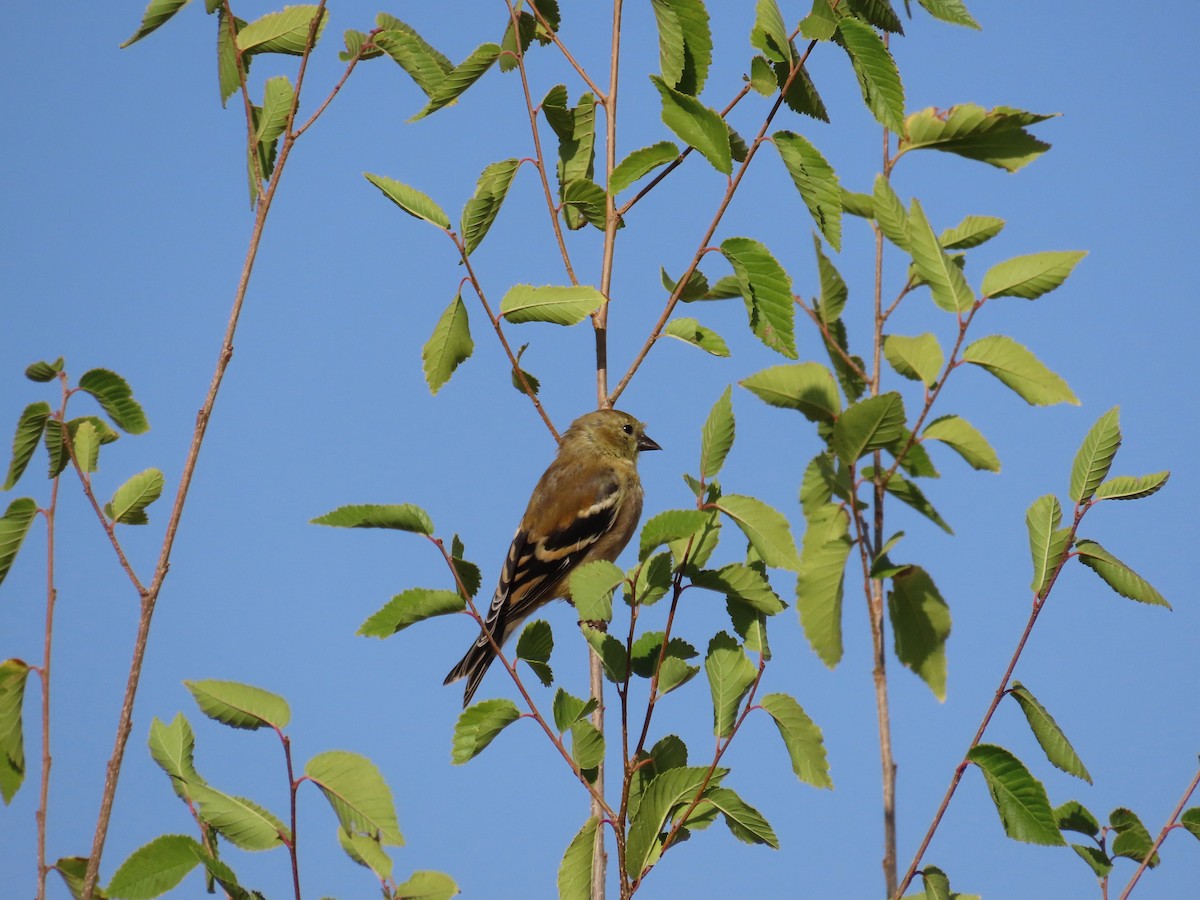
(123, 233)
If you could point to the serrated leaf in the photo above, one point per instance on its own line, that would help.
(871, 424)
(743, 584)
(765, 527)
(668, 791)
(448, 346)
(157, 13)
(878, 13)
(468, 573)
(128, 504)
(716, 438)
(242, 822)
(815, 180)
(669, 525)
(457, 80)
(808, 387)
(1095, 456)
(819, 582)
(568, 709)
(802, 738)
(86, 443)
(73, 869)
(427, 885)
(696, 125)
(588, 200)
(909, 494)
(1096, 859)
(921, 624)
(1048, 541)
(113, 394)
(889, 213)
(1020, 798)
(745, 822)
(366, 851)
(172, 747)
(399, 516)
(592, 586)
(770, 34)
(567, 305)
(358, 794)
(28, 434)
(575, 870)
(952, 11)
(412, 201)
(1133, 841)
(1190, 820)
(282, 32)
(640, 163)
(1020, 370)
(1030, 276)
(278, 96)
(478, 726)
(229, 73)
(612, 652)
(43, 371)
(692, 551)
(684, 42)
(408, 608)
(947, 284)
(425, 65)
(971, 232)
(1127, 487)
(14, 525)
(961, 436)
(239, 705)
(878, 77)
(587, 745)
(994, 136)
(155, 868)
(14, 674)
(535, 645)
(919, 358)
(696, 287)
(730, 674)
(766, 289)
(692, 332)
(1049, 735)
(483, 207)
(861, 205)
(1074, 816)
(1117, 575)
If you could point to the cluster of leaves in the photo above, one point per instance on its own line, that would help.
(663, 798)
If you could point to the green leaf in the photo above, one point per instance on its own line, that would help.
(73, 869)
(1133, 841)
(878, 77)
(815, 180)
(425, 65)
(684, 43)
(400, 516)
(834, 292)
(952, 11)
(692, 332)
(1117, 575)
(908, 493)
(1074, 816)
(745, 822)
(871, 424)
(457, 80)
(1030, 276)
(743, 584)
(448, 346)
(1190, 820)
(862, 205)
(767, 291)
(668, 791)
(358, 794)
(1127, 487)
(14, 525)
(535, 646)
(890, 213)
(412, 201)
(242, 822)
(588, 199)
(802, 738)
(408, 608)
(937, 885)
(43, 371)
(568, 710)
(640, 163)
(155, 868)
(808, 387)
(971, 232)
(919, 358)
(770, 34)
(478, 726)
(750, 625)
(156, 14)
(1096, 859)
(921, 624)
(946, 281)
(996, 136)
(30, 426)
(648, 648)
(277, 105)
(819, 582)
(730, 674)
(1020, 798)
(427, 885)
(1020, 370)
(86, 443)
(765, 527)
(962, 437)
(282, 32)
(1049, 735)
(116, 399)
(587, 745)
(716, 438)
(229, 74)
(172, 747)
(1095, 456)
(575, 870)
(1048, 540)
(592, 586)
(550, 303)
(510, 47)
(696, 125)
(483, 207)
(762, 76)
(692, 551)
(611, 652)
(240, 705)
(696, 287)
(366, 851)
(14, 674)
(128, 504)
(670, 525)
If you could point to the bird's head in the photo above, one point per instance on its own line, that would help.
(610, 431)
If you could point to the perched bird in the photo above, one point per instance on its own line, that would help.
(585, 507)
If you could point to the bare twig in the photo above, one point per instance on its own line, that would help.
(44, 676)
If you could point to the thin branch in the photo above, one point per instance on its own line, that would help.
(1162, 836)
(600, 95)
(366, 45)
(293, 784)
(44, 676)
(829, 339)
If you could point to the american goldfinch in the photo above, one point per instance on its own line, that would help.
(585, 507)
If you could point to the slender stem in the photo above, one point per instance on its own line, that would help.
(44, 676)
(557, 41)
(830, 341)
(293, 784)
(1162, 836)
(150, 595)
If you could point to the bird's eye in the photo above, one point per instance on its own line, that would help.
(628, 429)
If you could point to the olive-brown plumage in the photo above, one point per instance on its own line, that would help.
(585, 507)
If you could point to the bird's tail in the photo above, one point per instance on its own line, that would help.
(472, 667)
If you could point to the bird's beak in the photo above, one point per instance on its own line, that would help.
(645, 442)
